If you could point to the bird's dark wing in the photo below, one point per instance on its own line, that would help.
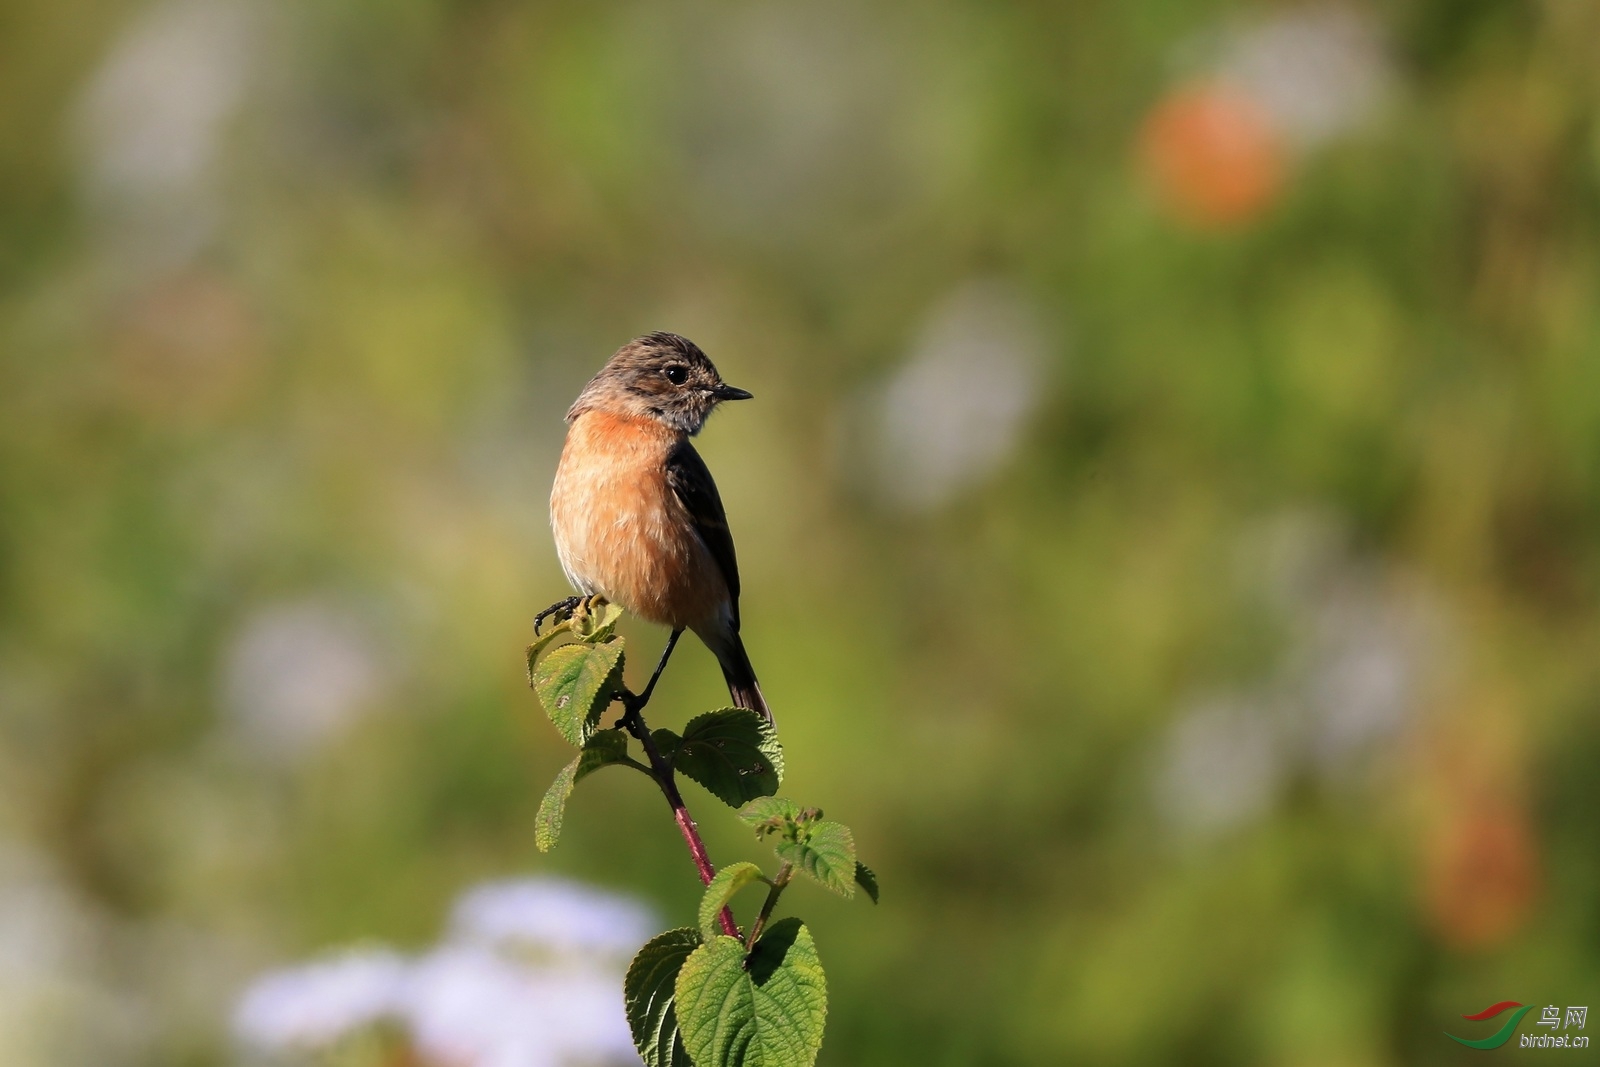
(691, 481)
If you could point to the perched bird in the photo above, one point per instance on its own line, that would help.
(636, 516)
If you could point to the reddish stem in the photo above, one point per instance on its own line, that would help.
(662, 772)
(697, 848)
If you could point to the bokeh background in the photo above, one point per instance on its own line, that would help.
(1169, 516)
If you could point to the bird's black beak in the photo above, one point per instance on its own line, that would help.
(728, 392)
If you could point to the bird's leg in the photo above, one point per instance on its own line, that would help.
(569, 605)
(635, 703)
(666, 654)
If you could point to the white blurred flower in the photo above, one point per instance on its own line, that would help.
(808, 87)
(955, 410)
(57, 1005)
(42, 932)
(552, 914)
(315, 1005)
(790, 121)
(150, 119)
(298, 673)
(1222, 764)
(1363, 637)
(470, 1006)
(1361, 643)
(1364, 659)
(1319, 72)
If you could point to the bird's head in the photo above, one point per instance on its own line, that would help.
(658, 376)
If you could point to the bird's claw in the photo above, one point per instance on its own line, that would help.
(569, 605)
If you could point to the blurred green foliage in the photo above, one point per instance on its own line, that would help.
(284, 350)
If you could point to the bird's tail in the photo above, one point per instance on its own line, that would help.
(741, 677)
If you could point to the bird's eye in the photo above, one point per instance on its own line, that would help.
(677, 373)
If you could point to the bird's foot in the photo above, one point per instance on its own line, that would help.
(563, 608)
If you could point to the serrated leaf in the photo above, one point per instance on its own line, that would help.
(603, 749)
(575, 683)
(729, 880)
(541, 641)
(768, 812)
(734, 753)
(594, 626)
(649, 993)
(867, 880)
(767, 1012)
(827, 853)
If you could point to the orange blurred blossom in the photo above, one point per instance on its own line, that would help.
(1213, 155)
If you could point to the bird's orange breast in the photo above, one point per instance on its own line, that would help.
(621, 531)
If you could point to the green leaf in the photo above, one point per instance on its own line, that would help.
(827, 852)
(768, 813)
(575, 683)
(729, 880)
(602, 750)
(734, 753)
(768, 1011)
(595, 626)
(541, 641)
(867, 880)
(649, 995)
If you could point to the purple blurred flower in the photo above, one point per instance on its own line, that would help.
(479, 999)
(471, 1006)
(553, 914)
(314, 1005)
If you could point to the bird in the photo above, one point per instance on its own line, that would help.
(635, 512)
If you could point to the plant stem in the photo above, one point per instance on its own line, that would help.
(785, 873)
(663, 773)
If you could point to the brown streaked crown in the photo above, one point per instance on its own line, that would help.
(659, 376)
